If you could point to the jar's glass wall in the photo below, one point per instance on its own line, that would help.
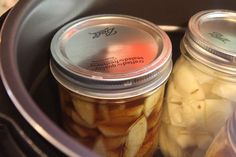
(198, 103)
(114, 127)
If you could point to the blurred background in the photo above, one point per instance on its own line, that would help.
(5, 5)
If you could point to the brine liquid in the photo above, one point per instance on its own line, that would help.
(113, 128)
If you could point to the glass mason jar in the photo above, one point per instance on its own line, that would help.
(224, 144)
(201, 92)
(111, 71)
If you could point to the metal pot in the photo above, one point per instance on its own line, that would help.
(25, 51)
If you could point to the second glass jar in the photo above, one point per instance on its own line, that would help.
(201, 92)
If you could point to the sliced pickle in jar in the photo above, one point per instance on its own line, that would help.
(135, 137)
(217, 112)
(225, 90)
(85, 109)
(153, 101)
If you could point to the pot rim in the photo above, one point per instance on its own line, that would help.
(18, 93)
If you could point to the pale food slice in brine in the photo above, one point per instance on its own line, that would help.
(153, 100)
(113, 130)
(99, 147)
(184, 80)
(225, 90)
(135, 138)
(217, 112)
(167, 145)
(85, 109)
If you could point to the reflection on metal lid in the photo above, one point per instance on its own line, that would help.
(109, 48)
(111, 52)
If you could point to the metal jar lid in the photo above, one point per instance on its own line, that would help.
(111, 56)
(211, 39)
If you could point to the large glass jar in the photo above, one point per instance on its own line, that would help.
(111, 71)
(224, 144)
(201, 92)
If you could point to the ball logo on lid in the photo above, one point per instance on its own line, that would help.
(106, 32)
(219, 36)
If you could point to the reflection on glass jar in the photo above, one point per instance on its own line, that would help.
(112, 72)
(201, 92)
(224, 144)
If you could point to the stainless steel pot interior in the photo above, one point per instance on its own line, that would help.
(25, 42)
